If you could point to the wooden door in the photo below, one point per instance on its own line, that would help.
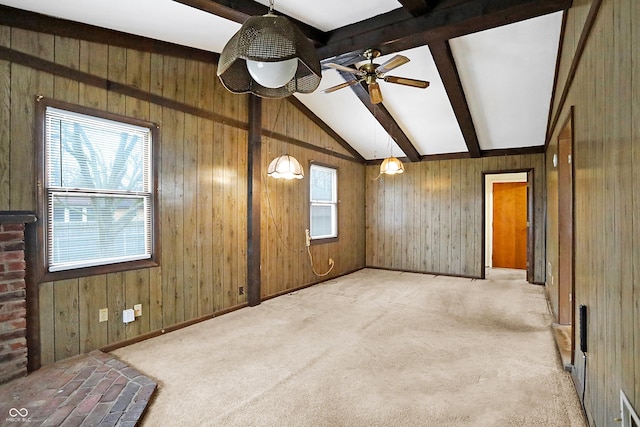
(510, 225)
(565, 226)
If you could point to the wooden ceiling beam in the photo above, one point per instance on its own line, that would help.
(443, 58)
(398, 30)
(241, 10)
(383, 116)
(417, 7)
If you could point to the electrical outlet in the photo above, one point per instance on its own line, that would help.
(103, 315)
(307, 237)
(137, 310)
(241, 290)
(128, 316)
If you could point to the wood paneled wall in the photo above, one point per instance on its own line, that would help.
(430, 218)
(606, 158)
(285, 214)
(203, 191)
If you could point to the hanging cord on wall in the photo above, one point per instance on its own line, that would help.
(308, 244)
(266, 179)
(275, 225)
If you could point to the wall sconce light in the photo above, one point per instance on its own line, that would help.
(285, 167)
(269, 57)
(391, 166)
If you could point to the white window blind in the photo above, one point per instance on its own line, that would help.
(324, 202)
(99, 190)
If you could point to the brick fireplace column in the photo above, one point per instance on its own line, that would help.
(16, 313)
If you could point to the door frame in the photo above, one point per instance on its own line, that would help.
(530, 222)
(566, 227)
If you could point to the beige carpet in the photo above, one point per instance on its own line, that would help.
(375, 348)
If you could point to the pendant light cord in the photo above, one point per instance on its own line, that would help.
(266, 178)
(331, 264)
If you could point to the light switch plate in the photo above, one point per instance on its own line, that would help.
(128, 316)
(137, 310)
(103, 315)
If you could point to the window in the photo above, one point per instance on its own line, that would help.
(97, 201)
(324, 202)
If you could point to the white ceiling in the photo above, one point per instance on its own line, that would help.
(507, 72)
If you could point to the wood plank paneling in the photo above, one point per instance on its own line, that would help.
(448, 196)
(605, 99)
(202, 190)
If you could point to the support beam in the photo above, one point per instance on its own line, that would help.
(254, 190)
(397, 30)
(384, 117)
(417, 7)
(443, 57)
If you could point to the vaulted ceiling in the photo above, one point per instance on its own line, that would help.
(491, 64)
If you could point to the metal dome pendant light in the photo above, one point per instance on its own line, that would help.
(269, 57)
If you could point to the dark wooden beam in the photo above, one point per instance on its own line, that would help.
(254, 195)
(398, 30)
(443, 57)
(32, 21)
(241, 10)
(383, 116)
(315, 119)
(417, 7)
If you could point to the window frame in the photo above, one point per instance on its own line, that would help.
(43, 273)
(334, 204)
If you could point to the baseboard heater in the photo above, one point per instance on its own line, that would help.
(629, 415)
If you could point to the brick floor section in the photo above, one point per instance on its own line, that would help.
(95, 389)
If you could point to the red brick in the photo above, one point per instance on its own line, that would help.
(11, 256)
(13, 275)
(12, 246)
(19, 323)
(17, 266)
(10, 306)
(11, 236)
(19, 345)
(12, 296)
(12, 315)
(13, 227)
(11, 285)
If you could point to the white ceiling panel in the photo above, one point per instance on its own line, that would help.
(507, 75)
(506, 72)
(164, 20)
(425, 115)
(331, 14)
(349, 118)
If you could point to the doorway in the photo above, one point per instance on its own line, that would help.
(508, 234)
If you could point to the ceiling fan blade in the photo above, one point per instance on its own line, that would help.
(374, 93)
(345, 69)
(340, 86)
(407, 82)
(394, 62)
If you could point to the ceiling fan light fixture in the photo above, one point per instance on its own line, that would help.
(285, 167)
(391, 166)
(269, 57)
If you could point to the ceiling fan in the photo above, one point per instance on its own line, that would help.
(370, 72)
